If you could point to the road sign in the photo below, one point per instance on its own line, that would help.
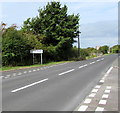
(38, 51)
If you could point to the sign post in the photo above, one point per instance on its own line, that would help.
(39, 51)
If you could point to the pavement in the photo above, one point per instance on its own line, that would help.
(104, 96)
(61, 87)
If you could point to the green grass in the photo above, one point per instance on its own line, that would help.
(7, 68)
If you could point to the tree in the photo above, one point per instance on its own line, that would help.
(104, 49)
(14, 47)
(115, 49)
(58, 28)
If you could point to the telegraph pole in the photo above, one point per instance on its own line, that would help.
(78, 43)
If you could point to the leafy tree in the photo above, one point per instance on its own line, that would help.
(115, 49)
(58, 28)
(104, 49)
(14, 47)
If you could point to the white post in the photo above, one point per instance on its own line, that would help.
(41, 59)
(33, 58)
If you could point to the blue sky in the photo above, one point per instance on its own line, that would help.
(98, 20)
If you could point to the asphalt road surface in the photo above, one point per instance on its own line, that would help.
(53, 88)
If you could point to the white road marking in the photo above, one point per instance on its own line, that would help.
(103, 78)
(102, 81)
(106, 75)
(19, 73)
(92, 62)
(102, 101)
(99, 109)
(87, 101)
(109, 70)
(98, 60)
(66, 72)
(30, 71)
(92, 95)
(105, 96)
(34, 70)
(8, 75)
(25, 71)
(14, 74)
(24, 87)
(85, 65)
(108, 87)
(94, 90)
(107, 91)
(1, 76)
(98, 86)
(81, 66)
(102, 59)
(83, 108)
(38, 69)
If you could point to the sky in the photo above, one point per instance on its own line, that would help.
(98, 20)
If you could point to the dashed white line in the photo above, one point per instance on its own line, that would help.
(24, 87)
(98, 86)
(105, 96)
(94, 90)
(102, 102)
(38, 69)
(25, 71)
(14, 74)
(34, 70)
(98, 60)
(66, 72)
(81, 66)
(107, 91)
(85, 65)
(99, 109)
(92, 62)
(92, 95)
(30, 71)
(102, 81)
(8, 75)
(83, 108)
(108, 87)
(87, 101)
(19, 73)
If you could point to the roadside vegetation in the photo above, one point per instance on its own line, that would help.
(54, 31)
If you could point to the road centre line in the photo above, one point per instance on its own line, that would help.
(66, 72)
(24, 87)
(81, 66)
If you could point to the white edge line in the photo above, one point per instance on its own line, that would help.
(24, 87)
(109, 70)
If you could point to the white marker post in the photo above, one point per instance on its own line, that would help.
(39, 51)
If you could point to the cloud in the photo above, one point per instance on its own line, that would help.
(99, 33)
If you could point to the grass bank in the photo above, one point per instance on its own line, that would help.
(8, 68)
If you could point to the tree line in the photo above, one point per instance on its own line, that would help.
(53, 30)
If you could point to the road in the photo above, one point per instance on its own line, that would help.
(53, 88)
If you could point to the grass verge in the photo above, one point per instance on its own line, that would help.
(8, 68)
